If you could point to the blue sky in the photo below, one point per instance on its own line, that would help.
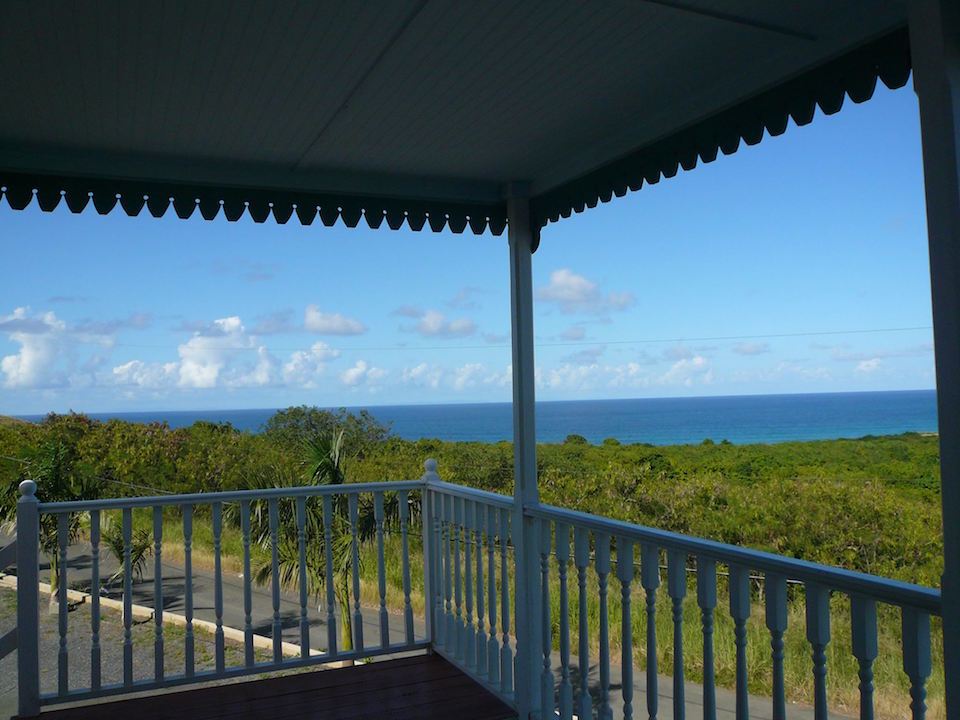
(798, 265)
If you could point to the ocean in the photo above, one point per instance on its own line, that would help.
(658, 421)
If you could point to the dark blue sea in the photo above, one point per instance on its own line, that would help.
(659, 421)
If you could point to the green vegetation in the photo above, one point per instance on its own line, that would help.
(871, 504)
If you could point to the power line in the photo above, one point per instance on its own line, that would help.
(573, 343)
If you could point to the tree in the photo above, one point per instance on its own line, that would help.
(58, 479)
(323, 456)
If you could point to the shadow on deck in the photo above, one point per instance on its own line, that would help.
(424, 686)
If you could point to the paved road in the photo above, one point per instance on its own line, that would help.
(262, 615)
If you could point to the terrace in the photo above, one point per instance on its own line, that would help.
(498, 117)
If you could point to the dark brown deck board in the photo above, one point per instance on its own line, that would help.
(423, 686)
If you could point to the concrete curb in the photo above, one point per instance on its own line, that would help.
(142, 612)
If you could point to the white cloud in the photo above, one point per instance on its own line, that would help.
(40, 339)
(362, 372)
(569, 289)
(868, 366)
(688, 372)
(315, 320)
(263, 372)
(575, 293)
(306, 366)
(747, 348)
(138, 373)
(205, 354)
(422, 375)
(435, 324)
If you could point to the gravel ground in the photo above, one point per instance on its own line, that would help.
(111, 644)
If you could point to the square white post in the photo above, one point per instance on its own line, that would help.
(522, 239)
(28, 598)
(935, 52)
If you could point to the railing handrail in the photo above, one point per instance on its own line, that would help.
(893, 592)
(491, 498)
(228, 496)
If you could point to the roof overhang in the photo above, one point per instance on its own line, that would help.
(424, 113)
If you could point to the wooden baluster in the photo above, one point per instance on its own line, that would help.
(818, 635)
(565, 693)
(650, 581)
(776, 615)
(506, 653)
(625, 576)
(219, 650)
(381, 571)
(301, 508)
(274, 518)
(63, 540)
(188, 654)
(247, 586)
(740, 611)
(863, 617)
(602, 566)
(127, 530)
(581, 558)
(916, 657)
(457, 590)
(493, 646)
(449, 628)
(479, 514)
(158, 671)
(328, 573)
(546, 676)
(707, 600)
(95, 674)
(403, 501)
(352, 501)
(677, 589)
(469, 651)
(439, 619)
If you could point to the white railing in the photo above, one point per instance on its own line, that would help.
(605, 541)
(263, 508)
(468, 573)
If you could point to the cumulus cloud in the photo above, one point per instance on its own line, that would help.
(305, 366)
(362, 373)
(435, 324)
(40, 338)
(206, 353)
(574, 293)
(422, 375)
(138, 373)
(749, 348)
(317, 321)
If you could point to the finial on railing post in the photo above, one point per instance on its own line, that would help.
(430, 470)
(28, 618)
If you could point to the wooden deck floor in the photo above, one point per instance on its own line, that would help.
(423, 687)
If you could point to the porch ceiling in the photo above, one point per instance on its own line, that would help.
(411, 110)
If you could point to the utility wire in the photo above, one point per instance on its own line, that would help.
(572, 343)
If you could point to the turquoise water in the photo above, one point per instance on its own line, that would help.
(659, 421)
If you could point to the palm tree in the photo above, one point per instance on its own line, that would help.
(322, 465)
(58, 480)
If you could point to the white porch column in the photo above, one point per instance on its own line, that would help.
(527, 618)
(935, 50)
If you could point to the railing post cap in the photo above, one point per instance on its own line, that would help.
(28, 488)
(430, 465)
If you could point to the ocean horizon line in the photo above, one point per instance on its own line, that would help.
(739, 419)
